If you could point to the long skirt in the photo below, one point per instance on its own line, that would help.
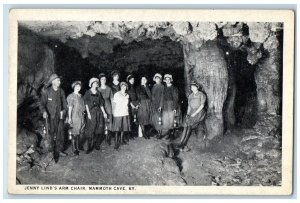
(155, 118)
(95, 125)
(121, 124)
(194, 121)
(78, 123)
(143, 113)
(108, 109)
(169, 117)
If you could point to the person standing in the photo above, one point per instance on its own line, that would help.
(107, 95)
(133, 104)
(195, 114)
(96, 114)
(171, 109)
(115, 86)
(157, 96)
(76, 110)
(53, 105)
(121, 121)
(144, 99)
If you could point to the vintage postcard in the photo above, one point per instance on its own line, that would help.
(151, 101)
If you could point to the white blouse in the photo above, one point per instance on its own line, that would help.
(120, 103)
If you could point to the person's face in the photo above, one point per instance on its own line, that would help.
(116, 77)
(158, 80)
(95, 85)
(131, 81)
(123, 88)
(103, 80)
(168, 80)
(77, 88)
(194, 88)
(56, 82)
(143, 80)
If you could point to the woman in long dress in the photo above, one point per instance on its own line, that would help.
(133, 104)
(144, 98)
(195, 114)
(171, 116)
(121, 121)
(76, 110)
(96, 114)
(115, 85)
(107, 95)
(157, 94)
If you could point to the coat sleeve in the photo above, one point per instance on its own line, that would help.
(64, 101)
(161, 102)
(175, 98)
(43, 101)
(101, 100)
(70, 101)
(138, 94)
(87, 99)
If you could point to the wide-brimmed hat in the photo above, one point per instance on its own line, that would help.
(168, 76)
(115, 72)
(123, 83)
(76, 83)
(102, 75)
(129, 77)
(53, 77)
(157, 75)
(92, 80)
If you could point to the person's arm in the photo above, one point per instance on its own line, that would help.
(43, 103)
(175, 98)
(161, 101)
(86, 99)
(64, 101)
(202, 103)
(102, 102)
(70, 108)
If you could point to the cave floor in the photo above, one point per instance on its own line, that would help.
(144, 162)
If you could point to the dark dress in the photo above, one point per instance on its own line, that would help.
(107, 95)
(156, 102)
(170, 103)
(115, 88)
(53, 102)
(95, 125)
(144, 98)
(195, 101)
(132, 99)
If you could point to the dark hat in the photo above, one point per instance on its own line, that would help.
(115, 72)
(194, 83)
(76, 83)
(129, 77)
(101, 75)
(53, 77)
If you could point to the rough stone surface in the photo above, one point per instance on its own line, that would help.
(209, 68)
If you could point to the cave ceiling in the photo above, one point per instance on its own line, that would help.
(98, 37)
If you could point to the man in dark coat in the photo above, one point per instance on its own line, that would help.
(53, 106)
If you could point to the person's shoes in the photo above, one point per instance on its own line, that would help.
(56, 156)
(63, 154)
(97, 147)
(76, 153)
(185, 149)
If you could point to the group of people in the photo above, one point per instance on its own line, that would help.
(119, 109)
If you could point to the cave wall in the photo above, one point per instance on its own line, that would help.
(208, 67)
(35, 64)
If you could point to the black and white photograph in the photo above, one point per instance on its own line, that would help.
(107, 105)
